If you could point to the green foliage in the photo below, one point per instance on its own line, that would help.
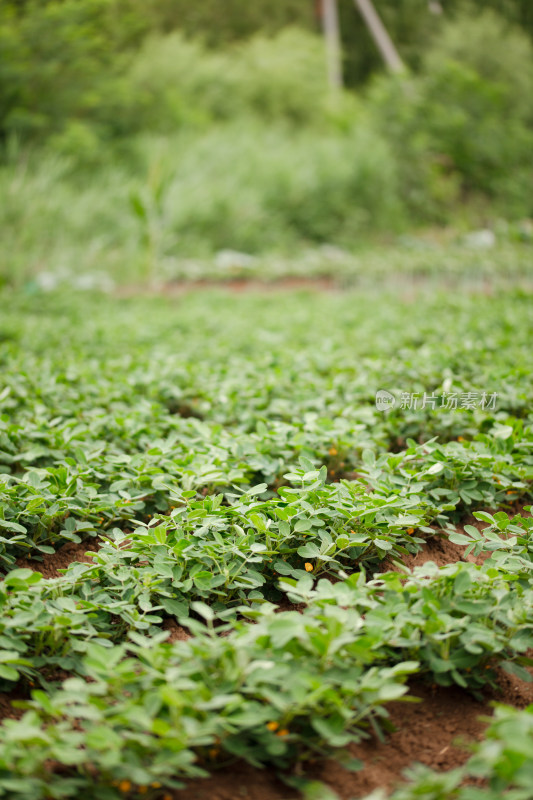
(62, 61)
(136, 425)
(218, 24)
(498, 52)
(238, 186)
(462, 128)
(289, 687)
(228, 454)
(70, 65)
(507, 540)
(410, 23)
(454, 621)
(279, 78)
(243, 148)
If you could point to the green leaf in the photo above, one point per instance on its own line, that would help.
(283, 629)
(309, 550)
(203, 610)
(8, 673)
(22, 577)
(12, 526)
(483, 516)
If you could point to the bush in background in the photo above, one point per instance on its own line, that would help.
(126, 148)
(239, 185)
(175, 82)
(462, 129)
(63, 61)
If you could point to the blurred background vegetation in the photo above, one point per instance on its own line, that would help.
(134, 132)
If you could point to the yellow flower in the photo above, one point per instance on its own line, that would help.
(283, 732)
(273, 726)
(333, 451)
(410, 530)
(460, 438)
(124, 786)
(308, 567)
(155, 785)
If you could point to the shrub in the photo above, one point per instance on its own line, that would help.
(237, 186)
(174, 82)
(62, 60)
(462, 128)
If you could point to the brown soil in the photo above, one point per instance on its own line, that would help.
(7, 711)
(426, 732)
(441, 551)
(237, 781)
(177, 633)
(67, 554)
(235, 285)
(434, 732)
(513, 691)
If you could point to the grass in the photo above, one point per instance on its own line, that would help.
(240, 186)
(239, 201)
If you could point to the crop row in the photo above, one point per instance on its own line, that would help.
(230, 457)
(290, 686)
(162, 571)
(102, 418)
(424, 482)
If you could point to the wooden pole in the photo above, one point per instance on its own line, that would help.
(330, 25)
(380, 35)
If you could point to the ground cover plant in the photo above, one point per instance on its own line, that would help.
(223, 460)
